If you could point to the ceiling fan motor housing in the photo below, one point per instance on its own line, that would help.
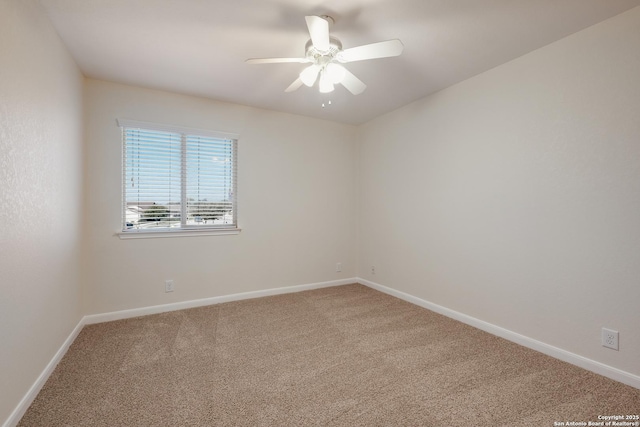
(311, 52)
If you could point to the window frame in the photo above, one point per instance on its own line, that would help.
(184, 230)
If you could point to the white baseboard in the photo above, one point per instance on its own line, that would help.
(135, 312)
(28, 398)
(26, 401)
(558, 353)
(555, 352)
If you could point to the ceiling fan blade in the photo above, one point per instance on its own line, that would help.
(372, 51)
(319, 32)
(275, 60)
(352, 83)
(294, 86)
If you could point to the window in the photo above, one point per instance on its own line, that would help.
(177, 180)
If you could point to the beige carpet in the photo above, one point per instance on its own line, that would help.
(341, 356)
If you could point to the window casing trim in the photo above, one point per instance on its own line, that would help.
(172, 232)
(186, 230)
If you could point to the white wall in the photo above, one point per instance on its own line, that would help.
(296, 204)
(40, 197)
(514, 197)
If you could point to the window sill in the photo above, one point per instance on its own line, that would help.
(154, 234)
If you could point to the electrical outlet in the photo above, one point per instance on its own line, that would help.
(373, 270)
(168, 285)
(610, 338)
(338, 267)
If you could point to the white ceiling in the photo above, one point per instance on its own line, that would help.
(198, 47)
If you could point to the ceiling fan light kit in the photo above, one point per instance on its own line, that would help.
(325, 84)
(335, 72)
(326, 56)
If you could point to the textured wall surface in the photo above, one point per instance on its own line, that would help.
(514, 197)
(40, 196)
(296, 204)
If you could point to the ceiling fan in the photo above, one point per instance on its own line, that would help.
(326, 56)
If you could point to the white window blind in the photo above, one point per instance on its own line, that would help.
(177, 179)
